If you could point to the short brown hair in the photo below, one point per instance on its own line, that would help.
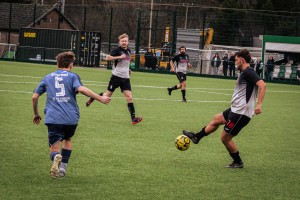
(64, 59)
(124, 35)
(182, 47)
(244, 53)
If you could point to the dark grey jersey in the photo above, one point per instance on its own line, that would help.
(121, 66)
(182, 61)
(245, 93)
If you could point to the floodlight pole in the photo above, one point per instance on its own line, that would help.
(186, 14)
(150, 26)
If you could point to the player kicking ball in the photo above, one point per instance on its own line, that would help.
(249, 86)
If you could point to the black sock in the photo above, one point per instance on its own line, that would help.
(66, 154)
(174, 87)
(53, 154)
(236, 157)
(101, 94)
(131, 110)
(183, 94)
(201, 134)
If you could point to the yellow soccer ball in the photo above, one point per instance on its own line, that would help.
(182, 142)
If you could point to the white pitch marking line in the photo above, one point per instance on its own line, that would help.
(144, 99)
(144, 86)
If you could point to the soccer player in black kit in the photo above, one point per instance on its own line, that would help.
(182, 63)
(249, 86)
(121, 76)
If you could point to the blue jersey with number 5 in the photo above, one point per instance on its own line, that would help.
(61, 105)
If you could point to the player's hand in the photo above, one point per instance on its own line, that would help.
(130, 71)
(172, 70)
(105, 99)
(257, 110)
(37, 119)
(189, 65)
(123, 56)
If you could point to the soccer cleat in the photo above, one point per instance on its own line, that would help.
(184, 100)
(89, 102)
(62, 170)
(235, 165)
(169, 90)
(136, 120)
(54, 167)
(192, 136)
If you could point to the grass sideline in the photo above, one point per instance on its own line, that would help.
(113, 159)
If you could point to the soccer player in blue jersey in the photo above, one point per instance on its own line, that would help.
(249, 86)
(182, 65)
(61, 111)
(120, 76)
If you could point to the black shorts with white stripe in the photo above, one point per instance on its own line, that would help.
(234, 122)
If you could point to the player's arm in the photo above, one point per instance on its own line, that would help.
(172, 66)
(189, 64)
(35, 99)
(260, 96)
(111, 57)
(90, 93)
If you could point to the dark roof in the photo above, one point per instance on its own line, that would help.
(55, 8)
(22, 15)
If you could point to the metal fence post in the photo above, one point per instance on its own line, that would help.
(109, 37)
(202, 39)
(9, 24)
(34, 15)
(84, 17)
(174, 33)
(137, 42)
(297, 23)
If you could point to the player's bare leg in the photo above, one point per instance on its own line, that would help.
(233, 150)
(183, 90)
(208, 129)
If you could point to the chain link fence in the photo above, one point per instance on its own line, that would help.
(231, 27)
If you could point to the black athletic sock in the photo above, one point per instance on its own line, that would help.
(174, 87)
(183, 94)
(131, 110)
(236, 157)
(53, 154)
(101, 94)
(201, 134)
(66, 154)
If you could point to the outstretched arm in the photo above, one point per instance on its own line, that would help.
(110, 58)
(86, 91)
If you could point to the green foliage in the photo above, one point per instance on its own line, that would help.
(113, 159)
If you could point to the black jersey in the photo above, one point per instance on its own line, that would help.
(245, 93)
(182, 61)
(121, 66)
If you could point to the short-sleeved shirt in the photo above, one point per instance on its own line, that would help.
(182, 61)
(245, 93)
(61, 106)
(121, 66)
